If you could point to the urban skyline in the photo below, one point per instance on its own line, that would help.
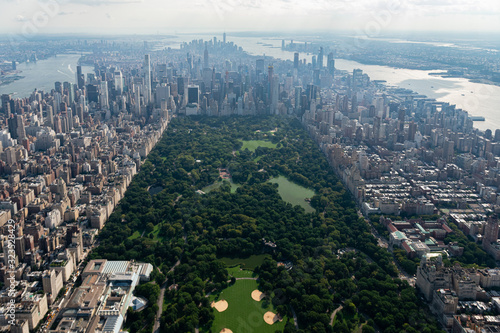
(154, 16)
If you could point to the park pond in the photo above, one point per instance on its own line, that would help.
(294, 193)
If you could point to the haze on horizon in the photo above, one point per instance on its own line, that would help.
(184, 16)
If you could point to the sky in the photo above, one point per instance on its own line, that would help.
(370, 17)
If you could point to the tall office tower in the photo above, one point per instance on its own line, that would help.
(118, 82)
(331, 64)
(50, 116)
(205, 58)
(103, 95)
(282, 44)
(6, 105)
(357, 76)
(259, 66)
(137, 98)
(275, 84)
(270, 74)
(412, 130)
(162, 93)
(92, 93)
(68, 91)
(79, 112)
(298, 94)
(401, 118)
(313, 60)
(215, 41)
(296, 60)
(354, 104)
(70, 118)
(12, 124)
(320, 58)
(316, 77)
(224, 38)
(80, 79)
(14, 65)
(58, 87)
(21, 132)
(189, 61)
(57, 102)
(147, 77)
(497, 135)
(376, 128)
(193, 94)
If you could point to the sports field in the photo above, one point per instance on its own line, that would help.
(243, 314)
(254, 144)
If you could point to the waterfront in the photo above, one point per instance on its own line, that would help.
(476, 98)
(43, 73)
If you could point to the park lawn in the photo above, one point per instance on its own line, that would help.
(252, 145)
(248, 263)
(243, 313)
(239, 272)
(218, 184)
(156, 232)
(135, 235)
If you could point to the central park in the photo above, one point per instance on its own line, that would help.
(246, 225)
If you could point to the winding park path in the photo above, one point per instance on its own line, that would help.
(332, 317)
(156, 327)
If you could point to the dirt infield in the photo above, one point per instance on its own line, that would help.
(220, 306)
(270, 317)
(257, 295)
(226, 330)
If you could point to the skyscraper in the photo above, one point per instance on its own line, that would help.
(296, 60)
(6, 105)
(103, 95)
(259, 66)
(205, 58)
(224, 38)
(118, 81)
(193, 94)
(147, 78)
(80, 80)
(331, 64)
(320, 58)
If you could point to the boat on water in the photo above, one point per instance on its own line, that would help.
(477, 118)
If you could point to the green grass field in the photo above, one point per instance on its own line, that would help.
(239, 272)
(218, 184)
(249, 263)
(254, 144)
(243, 313)
(135, 235)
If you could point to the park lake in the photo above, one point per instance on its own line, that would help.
(294, 193)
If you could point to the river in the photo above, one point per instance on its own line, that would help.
(42, 75)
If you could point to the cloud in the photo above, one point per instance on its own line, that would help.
(103, 2)
(21, 18)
